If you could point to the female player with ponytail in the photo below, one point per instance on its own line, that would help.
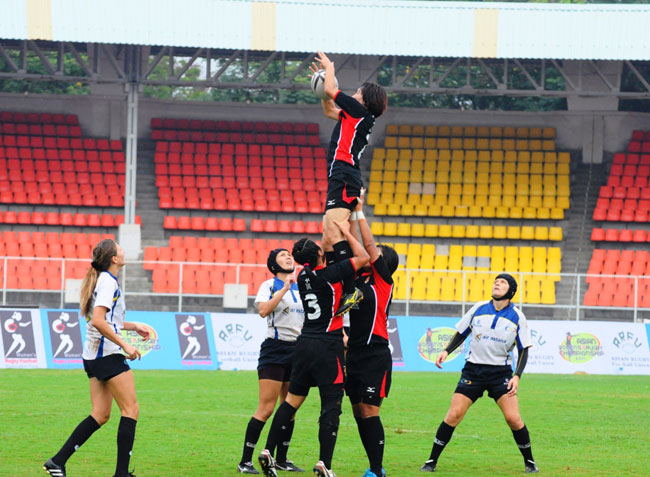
(279, 302)
(102, 303)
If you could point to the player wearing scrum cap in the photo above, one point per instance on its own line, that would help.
(279, 302)
(494, 327)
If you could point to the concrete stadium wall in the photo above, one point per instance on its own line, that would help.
(591, 132)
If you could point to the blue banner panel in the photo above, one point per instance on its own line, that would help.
(423, 338)
(178, 341)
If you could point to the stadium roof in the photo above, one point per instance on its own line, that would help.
(408, 28)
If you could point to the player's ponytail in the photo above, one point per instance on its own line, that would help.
(305, 251)
(102, 258)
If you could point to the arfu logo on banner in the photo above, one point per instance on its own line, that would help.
(235, 334)
(18, 337)
(193, 339)
(65, 336)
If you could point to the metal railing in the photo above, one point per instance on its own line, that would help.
(566, 304)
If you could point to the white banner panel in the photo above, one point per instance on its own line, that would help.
(566, 347)
(21, 339)
(237, 338)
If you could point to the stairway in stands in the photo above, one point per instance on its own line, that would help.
(577, 247)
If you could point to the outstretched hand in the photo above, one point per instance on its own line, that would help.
(441, 358)
(324, 60)
(315, 67)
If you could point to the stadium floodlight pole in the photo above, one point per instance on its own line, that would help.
(131, 152)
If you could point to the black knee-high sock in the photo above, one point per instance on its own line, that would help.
(327, 433)
(253, 431)
(80, 435)
(125, 438)
(330, 256)
(281, 420)
(443, 436)
(361, 433)
(372, 432)
(285, 440)
(343, 252)
(522, 438)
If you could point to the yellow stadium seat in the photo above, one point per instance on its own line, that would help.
(381, 209)
(532, 293)
(417, 130)
(469, 143)
(417, 230)
(537, 157)
(548, 133)
(404, 130)
(535, 145)
(394, 209)
(435, 210)
(392, 130)
(489, 211)
(390, 229)
(496, 131)
(475, 211)
(417, 142)
(564, 158)
(443, 143)
(390, 142)
(509, 145)
(556, 213)
(502, 212)
(392, 154)
(527, 232)
(379, 153)
(530, 213)
(418, 153)
(548, 292)
(458, 231)
(472, 231)
(431, 230)
(403, 142)
(544, 213)
(496, 144)
(555, 234)
(431, 130)
(408, 209)
(536, 168)
(521, 144)
(499, 232)
(440, 262)
(548, 145)
(485, 231)
(444, 230)
(455, 143)
(421, 210)
(404, 230)
(522, 132)
(448, 211)
(469, 131)
(509, 132)
(541, 233)
(482, 144)
(457, 131)
(516, 212)
(373, 198)
(513, 232)
(377, 228)
(535, 133)
(548, 201)
(484, 156)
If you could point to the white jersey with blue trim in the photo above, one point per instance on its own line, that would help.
(493, 334)
(108, 294)
(285, 322)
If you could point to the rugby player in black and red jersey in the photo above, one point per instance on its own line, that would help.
(355, 117)
(318, 356)
(369, 361)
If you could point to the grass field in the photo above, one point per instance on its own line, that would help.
(192, 424)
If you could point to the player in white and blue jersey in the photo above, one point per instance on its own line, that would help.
(110, 377)
(494, 327)
(279, 302)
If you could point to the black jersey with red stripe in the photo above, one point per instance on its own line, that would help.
(368, 324)
(320, 291)
(351, 133)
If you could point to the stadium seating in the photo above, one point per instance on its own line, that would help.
(619, 235)
(626, 195)
(470, 231)
(233, 165)
(447, 282)
(34, 259)
(477, 172)
(44, 160)
(213, 261)
(613, 276)
(66, 219)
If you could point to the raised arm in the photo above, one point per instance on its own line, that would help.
(329, 108)
(366, 234)
(360, 258)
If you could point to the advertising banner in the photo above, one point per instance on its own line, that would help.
(178, 341)
(238, 338)
(21, 339)
(63, 334)
(594, 347)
